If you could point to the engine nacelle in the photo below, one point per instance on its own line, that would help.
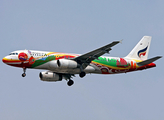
(50, 76)
(65, 63)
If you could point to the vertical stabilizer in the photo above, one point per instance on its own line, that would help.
(141, 50)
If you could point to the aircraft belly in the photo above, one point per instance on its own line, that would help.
(70, 71)
(89, 69)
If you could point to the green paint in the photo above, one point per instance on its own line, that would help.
(41, 61)
(105, 61)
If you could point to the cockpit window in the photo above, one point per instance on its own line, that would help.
(13, 54)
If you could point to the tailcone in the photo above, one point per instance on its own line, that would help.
(151, 65)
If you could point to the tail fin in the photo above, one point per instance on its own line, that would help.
(141, 50)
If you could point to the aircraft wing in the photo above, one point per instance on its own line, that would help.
(88, 57)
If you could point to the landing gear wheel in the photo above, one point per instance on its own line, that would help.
(24, 72)
(70, 82)
(23, 75)
(82, 74)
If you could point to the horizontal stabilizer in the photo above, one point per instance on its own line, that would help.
(148, 61)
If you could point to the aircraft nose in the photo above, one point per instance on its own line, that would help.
(4, 60)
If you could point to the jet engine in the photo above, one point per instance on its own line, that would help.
(65, 63)
(50, 76)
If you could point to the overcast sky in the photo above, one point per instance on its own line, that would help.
(79, 26)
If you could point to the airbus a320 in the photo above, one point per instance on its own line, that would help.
(65, 65)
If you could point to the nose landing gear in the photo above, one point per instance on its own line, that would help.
(24, 72)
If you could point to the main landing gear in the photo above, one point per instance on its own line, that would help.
(24, 72)
(82, 74)
(70, 82)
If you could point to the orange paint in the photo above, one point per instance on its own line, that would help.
(131, 64)
(134, 65)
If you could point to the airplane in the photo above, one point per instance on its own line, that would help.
(65, 65)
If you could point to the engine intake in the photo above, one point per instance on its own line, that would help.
(65, 63)
(50, 76)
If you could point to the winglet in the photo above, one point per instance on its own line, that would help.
(121, 41)
(148, 61)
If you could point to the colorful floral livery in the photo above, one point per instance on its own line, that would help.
(65, 65)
